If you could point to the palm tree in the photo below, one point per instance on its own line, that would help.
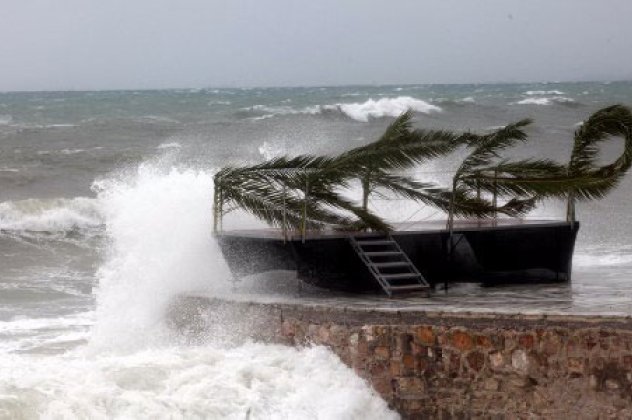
(484, 166)
(300, 192)
(580, 179)
(597, 181)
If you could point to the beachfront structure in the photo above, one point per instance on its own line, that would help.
(335, 242)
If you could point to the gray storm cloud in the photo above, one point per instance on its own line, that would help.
(116, 44)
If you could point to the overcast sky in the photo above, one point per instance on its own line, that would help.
(116, 44)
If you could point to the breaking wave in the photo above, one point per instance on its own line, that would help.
(252, 381)
(359, 111)
(547, 101)
(52, 215)
(386, 107)
(543, 92)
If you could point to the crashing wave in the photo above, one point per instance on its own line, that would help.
(359, 111)
(52, 215)
(5, 119)
(386, 107)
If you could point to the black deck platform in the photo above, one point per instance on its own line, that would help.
(506, 251)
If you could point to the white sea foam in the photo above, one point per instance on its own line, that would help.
(252, 381)
(359, 111)
(157, 222)
(170, 145)
(545, 101)
(156, 119)
(211, 103)
(54, 215)
(386, 107)
(543, 92)
(71, 151)
(5, 119)
(601, 259)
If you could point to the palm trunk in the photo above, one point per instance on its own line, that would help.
(366, 191)
(570, 208)
(304, 224)
(216, 208)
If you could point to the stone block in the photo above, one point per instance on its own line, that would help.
(462, 341)
(497, 360)
(576, 365)
(382, 353)
(475, 361)
(408, 361)
(520, 361)
(484, 342)
(425, 336)
(526, 341)
(491, 384)
(410, 387)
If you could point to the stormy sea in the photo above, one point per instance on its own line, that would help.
(105, 217)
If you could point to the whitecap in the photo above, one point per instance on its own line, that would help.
(211, 103)
(5, 119)
(359, 111)
(72, 151)
(171, 145)
(386, 107)
(50, 215)
(543, 92)
(545, 101)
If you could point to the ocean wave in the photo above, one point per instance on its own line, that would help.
(386, 107)
(170, 145)
(156, 119)
(543, 92)
(359, 111)
(5, 119)
(562, 100)
(257, 381)
(449, 101)
(52, 215)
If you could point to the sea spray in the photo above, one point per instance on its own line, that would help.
(160, 244)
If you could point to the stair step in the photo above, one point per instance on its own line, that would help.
(404, 276)
(408, 287)
(382, 253)
(399, 276)
(391, 264)
(375, 243)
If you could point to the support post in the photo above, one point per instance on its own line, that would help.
(284, 214)
(304, 226)
(495, 197)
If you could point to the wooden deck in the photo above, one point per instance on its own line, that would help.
(399, 228)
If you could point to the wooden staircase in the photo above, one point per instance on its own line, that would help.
(389, 265)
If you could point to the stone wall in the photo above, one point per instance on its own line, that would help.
(454, 365)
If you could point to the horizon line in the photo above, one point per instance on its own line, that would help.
(308, 86)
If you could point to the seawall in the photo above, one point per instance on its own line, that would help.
(431, 364)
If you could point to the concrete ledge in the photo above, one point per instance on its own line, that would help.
(432, 364)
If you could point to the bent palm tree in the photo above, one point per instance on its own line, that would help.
(581, 179)
(301, 192)
(481, 170)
